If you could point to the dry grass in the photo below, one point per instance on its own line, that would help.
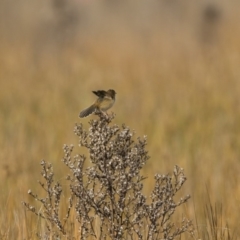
(173, 86)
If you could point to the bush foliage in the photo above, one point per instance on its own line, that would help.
(106, 189)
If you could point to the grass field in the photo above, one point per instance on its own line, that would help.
(176, 73)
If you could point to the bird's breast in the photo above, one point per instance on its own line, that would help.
(106, 103)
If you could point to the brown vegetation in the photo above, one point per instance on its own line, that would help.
(174, 85)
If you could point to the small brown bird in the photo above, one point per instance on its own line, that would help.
(105, 101)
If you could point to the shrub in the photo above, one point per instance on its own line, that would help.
(106, 197)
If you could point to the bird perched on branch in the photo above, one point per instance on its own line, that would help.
(105, 101)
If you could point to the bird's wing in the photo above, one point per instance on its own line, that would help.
(100, 93)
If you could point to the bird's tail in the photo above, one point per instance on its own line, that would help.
(87, 111)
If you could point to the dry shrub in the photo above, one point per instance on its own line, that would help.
(106, 197)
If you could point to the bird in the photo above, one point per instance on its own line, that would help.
(105, 100)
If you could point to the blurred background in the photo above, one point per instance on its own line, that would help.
(175, 68)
